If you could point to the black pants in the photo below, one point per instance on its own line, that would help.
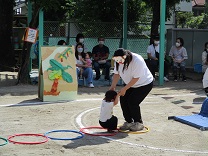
(106, 66)
(154, 65)
(110, 123)
(131, 100)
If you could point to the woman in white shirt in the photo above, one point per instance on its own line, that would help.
(205, 57)
(133, 70)
(87, 70)
(205, 81)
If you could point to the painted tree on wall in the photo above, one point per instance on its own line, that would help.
(57, 73)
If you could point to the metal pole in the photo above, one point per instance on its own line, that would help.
(40, 81)
(162, 41)
(125, 24)
(40, 35)
(29, 18)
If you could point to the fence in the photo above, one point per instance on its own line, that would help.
(137, 37)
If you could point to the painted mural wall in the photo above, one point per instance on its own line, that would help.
(58, 74)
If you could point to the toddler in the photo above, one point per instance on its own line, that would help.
(107, 119)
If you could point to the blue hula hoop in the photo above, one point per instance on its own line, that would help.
(81, 135)
(6, 141)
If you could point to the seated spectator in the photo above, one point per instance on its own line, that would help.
(205, 57)
(80, 39)
(100, 55)
(61, 42)
(153, 56)
(87, 70)
(179, 57)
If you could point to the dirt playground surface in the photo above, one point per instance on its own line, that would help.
(22, 112)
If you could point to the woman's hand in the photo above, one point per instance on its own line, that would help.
(122, 92)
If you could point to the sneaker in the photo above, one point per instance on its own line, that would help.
(126, 126)
(166, 79)
(137, 127)
(91, 85)
(184, 79)
(175, 78)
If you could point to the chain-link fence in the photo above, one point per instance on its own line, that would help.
(137, 37)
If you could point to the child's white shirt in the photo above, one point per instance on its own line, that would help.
(106, 110)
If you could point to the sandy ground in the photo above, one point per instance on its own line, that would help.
(21, 112)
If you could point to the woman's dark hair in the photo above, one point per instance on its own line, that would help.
(84, 54)
(181, 40)
(205, 46)
(80, 35)
(100, 38)
(109, 95)
(122, 52)
(76, 52)
(61, 42)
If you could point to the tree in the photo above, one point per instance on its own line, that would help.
(107, 10)
(155, 5)
(7, 61)
(53, 5)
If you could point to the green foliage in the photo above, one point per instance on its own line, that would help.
(55, 10)
(108, 10)
(188, 20)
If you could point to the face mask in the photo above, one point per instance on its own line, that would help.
(101, 42)
(120, 59)
(156, 42)
(79, 50)
(178, 44)
(81, 40)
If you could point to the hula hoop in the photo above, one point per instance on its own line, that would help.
(73, 131)
(6, 141)
(135, 132)
(97, 134)
(31, 143)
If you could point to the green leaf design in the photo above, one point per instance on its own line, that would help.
(56, 74)
(67, 77)
(56, 65)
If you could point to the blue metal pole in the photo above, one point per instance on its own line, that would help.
(41, 19)
(162, 41)
(40, 81)
(125, 24)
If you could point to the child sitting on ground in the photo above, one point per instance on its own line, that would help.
(107, 119)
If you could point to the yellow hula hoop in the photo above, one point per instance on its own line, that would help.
(136, 132)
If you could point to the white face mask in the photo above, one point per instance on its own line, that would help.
(79, 50)
(101, 42)
(156, 42)
(81, 40)
(119, 59)
(178, 44)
